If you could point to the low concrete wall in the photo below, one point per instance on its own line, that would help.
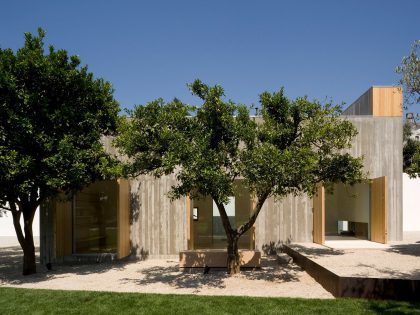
(357, 287)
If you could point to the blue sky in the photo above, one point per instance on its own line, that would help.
(323, 49)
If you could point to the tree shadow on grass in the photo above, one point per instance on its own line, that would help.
(393, 307)
(11, 262)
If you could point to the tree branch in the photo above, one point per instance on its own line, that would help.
(225, 219)
(246, 226)
(5, 208)
(16, 222)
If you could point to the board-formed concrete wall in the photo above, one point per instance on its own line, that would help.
(159, 227)
(380, 142)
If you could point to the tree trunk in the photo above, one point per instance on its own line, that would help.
(233, 259)
(29, 263)
(26, 240)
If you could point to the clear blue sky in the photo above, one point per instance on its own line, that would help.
(334, 49)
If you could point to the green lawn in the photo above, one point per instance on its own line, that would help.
(27, 301)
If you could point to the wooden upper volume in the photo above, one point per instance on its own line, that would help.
(380, 101)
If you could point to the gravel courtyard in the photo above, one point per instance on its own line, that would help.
(161, 276)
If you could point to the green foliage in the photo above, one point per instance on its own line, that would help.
(53, 113)
(292, 147)
(295, 145)
(31, 301)
(410, 71)
(411, 153)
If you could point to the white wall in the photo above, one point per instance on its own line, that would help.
(347, 203)
(7, 228)
(411, 203)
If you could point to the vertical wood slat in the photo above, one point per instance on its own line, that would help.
(379, 101)
(123, 219)
(253, 203)
(190, 235)
(387, 101)
(63, 228)
(319, 216)
(379, 210)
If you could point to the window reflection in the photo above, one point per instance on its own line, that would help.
(95, 218)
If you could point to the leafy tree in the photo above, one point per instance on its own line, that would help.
(411, 152)
(295, 145)
(410, 71)
(52, 115)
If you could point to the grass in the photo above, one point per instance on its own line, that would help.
(31, 301)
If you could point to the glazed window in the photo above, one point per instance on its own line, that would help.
(95, 218)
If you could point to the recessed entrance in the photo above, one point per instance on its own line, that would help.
(95, 218)
(206, 228)
(347, 212)
(351, 212)
(96, 221)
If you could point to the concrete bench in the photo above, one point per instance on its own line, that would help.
(199, 258)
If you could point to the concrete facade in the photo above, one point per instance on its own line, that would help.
(380, 142)
(161, 228)
(158, 226)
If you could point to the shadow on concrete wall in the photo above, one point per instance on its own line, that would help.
(272, 248)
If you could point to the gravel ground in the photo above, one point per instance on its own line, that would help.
(162, 276)
(398, 260)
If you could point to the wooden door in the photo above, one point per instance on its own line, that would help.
(190, 231)
(63, 227)
(123, 219)
(319, 215)
(379, 210)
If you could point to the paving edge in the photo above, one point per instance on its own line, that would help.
(357, 287)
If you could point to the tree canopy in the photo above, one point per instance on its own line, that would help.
(410, 71)
(53, 113)
(294, 145)
(411, 152)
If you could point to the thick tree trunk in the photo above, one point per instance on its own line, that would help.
(26, 240)
(233, 258)
(233, 235)
(29, 263)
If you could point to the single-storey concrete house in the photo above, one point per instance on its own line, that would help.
(135, 217)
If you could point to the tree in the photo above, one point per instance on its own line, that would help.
(411, 152)
(410, 71)
(53, 113)
(295, 145)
